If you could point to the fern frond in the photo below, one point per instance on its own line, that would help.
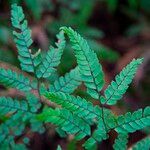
(68, 83)
(117, 88)
(52, 58)
(143, 144)
(98, 135)
(9, 105)
(89, 66)
(11, 79)
(67, 121)
(22, 38)
(129, 123)
(78, 106)
(121, 142)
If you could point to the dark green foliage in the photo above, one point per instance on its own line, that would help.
(73, 114)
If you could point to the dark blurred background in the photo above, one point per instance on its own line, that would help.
(118, 30)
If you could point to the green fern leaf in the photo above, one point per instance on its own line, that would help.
(78, 106)
(22, 38)
(89, 66)
(11, 79)
(121, 142)
(98, 135)
(12, 127)
(117, 88)
(143, 144)
(68, 122)
(52, 58)
(132, 122)
(68, 83)
(9, 105)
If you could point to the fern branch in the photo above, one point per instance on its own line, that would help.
(22, 38)
(143, 144)
(98, 135)
(78, 106)
(90, 69)
(8, 105)
(117, 88)
(129, 123)
(67, 121)
(121, 142)
(52, 58)
(11, 79)
(68, 83)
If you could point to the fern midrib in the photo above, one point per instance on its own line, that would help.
(118, 86)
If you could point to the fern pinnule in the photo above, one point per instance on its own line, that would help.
(76, 105)
(9, 105)
(67, 83)
(98, 135)
(67, 121)
(11, 79)
(52, 58)
(89, 66)
(22, 38)
(117, 88)
(130, 122)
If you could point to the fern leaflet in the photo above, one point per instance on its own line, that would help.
(121, 142)
(129, 123)
(67, 121)
(68, 83)
(89, 66)
(52, 58)
(98, 135)
(143, 144)
(78, 106)
(22, 38)
(117, 88)
(11, 79)
(8, 105)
